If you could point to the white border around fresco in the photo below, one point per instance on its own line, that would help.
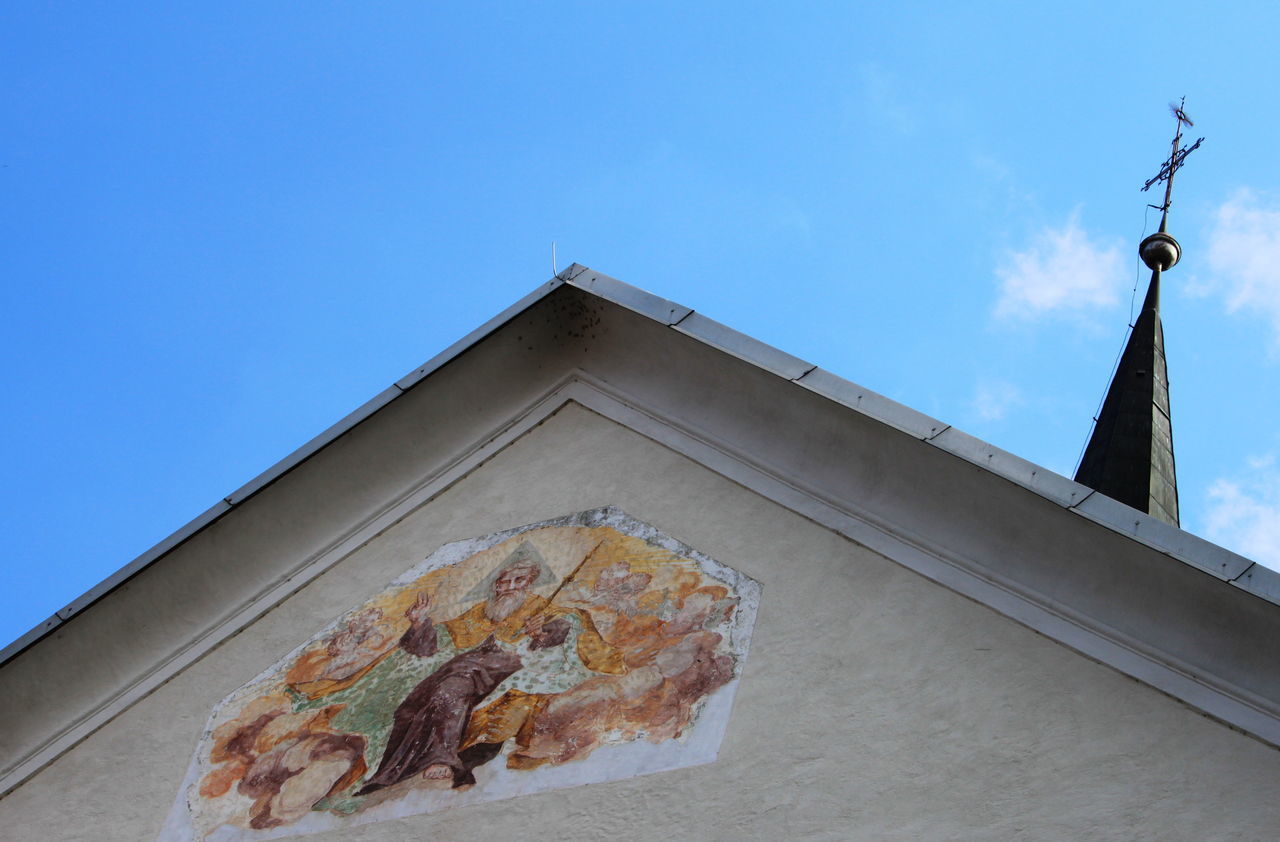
(495, 782)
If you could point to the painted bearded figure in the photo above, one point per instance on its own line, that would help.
(515, 649)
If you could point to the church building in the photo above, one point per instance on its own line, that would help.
(608, 569)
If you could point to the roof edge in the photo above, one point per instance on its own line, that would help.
(279, 469)
(1169, 540)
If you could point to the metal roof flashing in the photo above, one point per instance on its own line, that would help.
(1138, 526)
(279, 469)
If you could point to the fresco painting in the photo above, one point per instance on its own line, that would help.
(578, 650)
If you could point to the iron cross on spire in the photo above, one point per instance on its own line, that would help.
(1177, 155)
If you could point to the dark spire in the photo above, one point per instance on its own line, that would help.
(1130, 454)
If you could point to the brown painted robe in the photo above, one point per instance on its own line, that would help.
(431, 722)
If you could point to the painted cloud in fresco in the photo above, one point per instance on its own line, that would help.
(579, 650)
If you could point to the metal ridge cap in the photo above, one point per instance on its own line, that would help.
(1048, 484)
(114, 580)
(541, 291)
(392, 392)
(742, 346)
(1171, 541)
(28, 638)
(279, 469)
(625, 295)
(871, 403)
(1168, 540)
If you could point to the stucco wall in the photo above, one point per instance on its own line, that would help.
(874, 703)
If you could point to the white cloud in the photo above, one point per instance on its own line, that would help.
(1244, 512)
(1261, 463)
(1062, 272)
(1244, 255)
(992, 400)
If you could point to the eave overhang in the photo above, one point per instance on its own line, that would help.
(1164, 606)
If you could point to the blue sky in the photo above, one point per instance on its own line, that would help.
(226, 225)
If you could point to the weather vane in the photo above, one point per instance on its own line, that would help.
(1160, 250)
(1178, 154)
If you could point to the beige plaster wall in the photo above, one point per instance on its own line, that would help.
(874, 704)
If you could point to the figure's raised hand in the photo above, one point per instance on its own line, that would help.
(533, 625)
(420, 610)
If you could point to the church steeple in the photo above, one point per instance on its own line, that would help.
(1130, 454)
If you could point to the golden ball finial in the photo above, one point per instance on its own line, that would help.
(1160, 251)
